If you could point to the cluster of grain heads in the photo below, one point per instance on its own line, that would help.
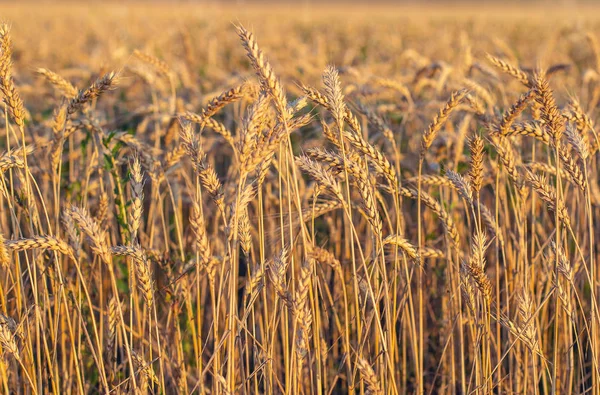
(385, 231)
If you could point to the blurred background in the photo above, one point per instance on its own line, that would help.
(198, 40)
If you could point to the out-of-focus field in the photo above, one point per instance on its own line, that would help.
(299, 198)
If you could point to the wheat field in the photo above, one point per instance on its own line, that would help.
(299, 199)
